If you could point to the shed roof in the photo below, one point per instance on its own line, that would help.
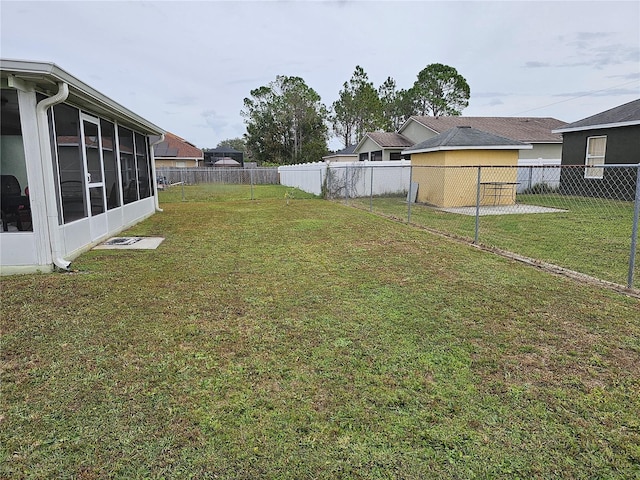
(523, 129)
(467, 138)
(175, 147)
(620, 116)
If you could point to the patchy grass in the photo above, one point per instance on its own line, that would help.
(313, 341)
(592, 236)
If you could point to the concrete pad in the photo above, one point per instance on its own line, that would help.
(516, 209)
(130, 243)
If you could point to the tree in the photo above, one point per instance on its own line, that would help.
(237, 143)
(358, 109)
(285, 122)
(397, 105)
(439, 90)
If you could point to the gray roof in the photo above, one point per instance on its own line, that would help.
(623, 115)
(346, 151)
(389, 139)
(465, 137)
(523, 129)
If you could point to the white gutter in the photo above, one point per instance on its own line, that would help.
(153, 171)
(51, 200)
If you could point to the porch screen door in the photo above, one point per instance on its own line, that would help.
(94, 166)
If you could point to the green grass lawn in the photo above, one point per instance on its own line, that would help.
(591, 236)
(311, 340)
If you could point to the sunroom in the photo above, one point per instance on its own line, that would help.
(75, 167)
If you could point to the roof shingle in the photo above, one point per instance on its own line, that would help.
(629, 112)
(464, 137)
(523, 129)
(389, 139)
(175, 147)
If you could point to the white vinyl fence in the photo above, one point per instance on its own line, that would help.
(540, 173)
(348, 179)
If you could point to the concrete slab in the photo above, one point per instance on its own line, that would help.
(517, 209)
(130, 243)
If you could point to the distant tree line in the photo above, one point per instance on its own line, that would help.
(287, 122)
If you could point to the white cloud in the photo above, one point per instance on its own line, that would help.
(187, 66)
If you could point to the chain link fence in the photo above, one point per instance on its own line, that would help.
(580, 218)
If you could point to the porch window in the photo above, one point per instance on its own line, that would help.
(110, 164)
(143, 165)
(15, 208)
(596, 147)
(128, 165)
(70, 166)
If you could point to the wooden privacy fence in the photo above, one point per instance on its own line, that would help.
(240, 176)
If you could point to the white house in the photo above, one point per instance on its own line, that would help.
(76, 167)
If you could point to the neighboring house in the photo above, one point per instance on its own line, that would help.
(76, 167)
(382, 146)
(538, 132)
(213, 155)
(441, 183)
(611, 137)
(174, 151)
(345, 155)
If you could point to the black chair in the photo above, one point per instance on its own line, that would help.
(14, 206)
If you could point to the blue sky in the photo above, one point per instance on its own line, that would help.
(187, 66)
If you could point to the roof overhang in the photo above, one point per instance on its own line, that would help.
(482, 147)
(597, 127)
(45, 76)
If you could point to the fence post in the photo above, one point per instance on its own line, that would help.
(346, 184)
(182, 182)
(371, 192)
(634, 231)
(251, 181)
(475, 237)
(409, 194)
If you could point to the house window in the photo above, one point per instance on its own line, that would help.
(363, 156)
(395, 156)
(596, 147)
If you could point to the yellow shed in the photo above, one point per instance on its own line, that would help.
(445, 167)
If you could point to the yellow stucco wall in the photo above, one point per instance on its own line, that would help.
(451, 179)
(173, 163)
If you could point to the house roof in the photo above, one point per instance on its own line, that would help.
(467, 138)
(221, 150)
(620, 116)
(345, 152)
(46, 76)
(385, 140)
(175, 147)
(350, 150)
(523, 129)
